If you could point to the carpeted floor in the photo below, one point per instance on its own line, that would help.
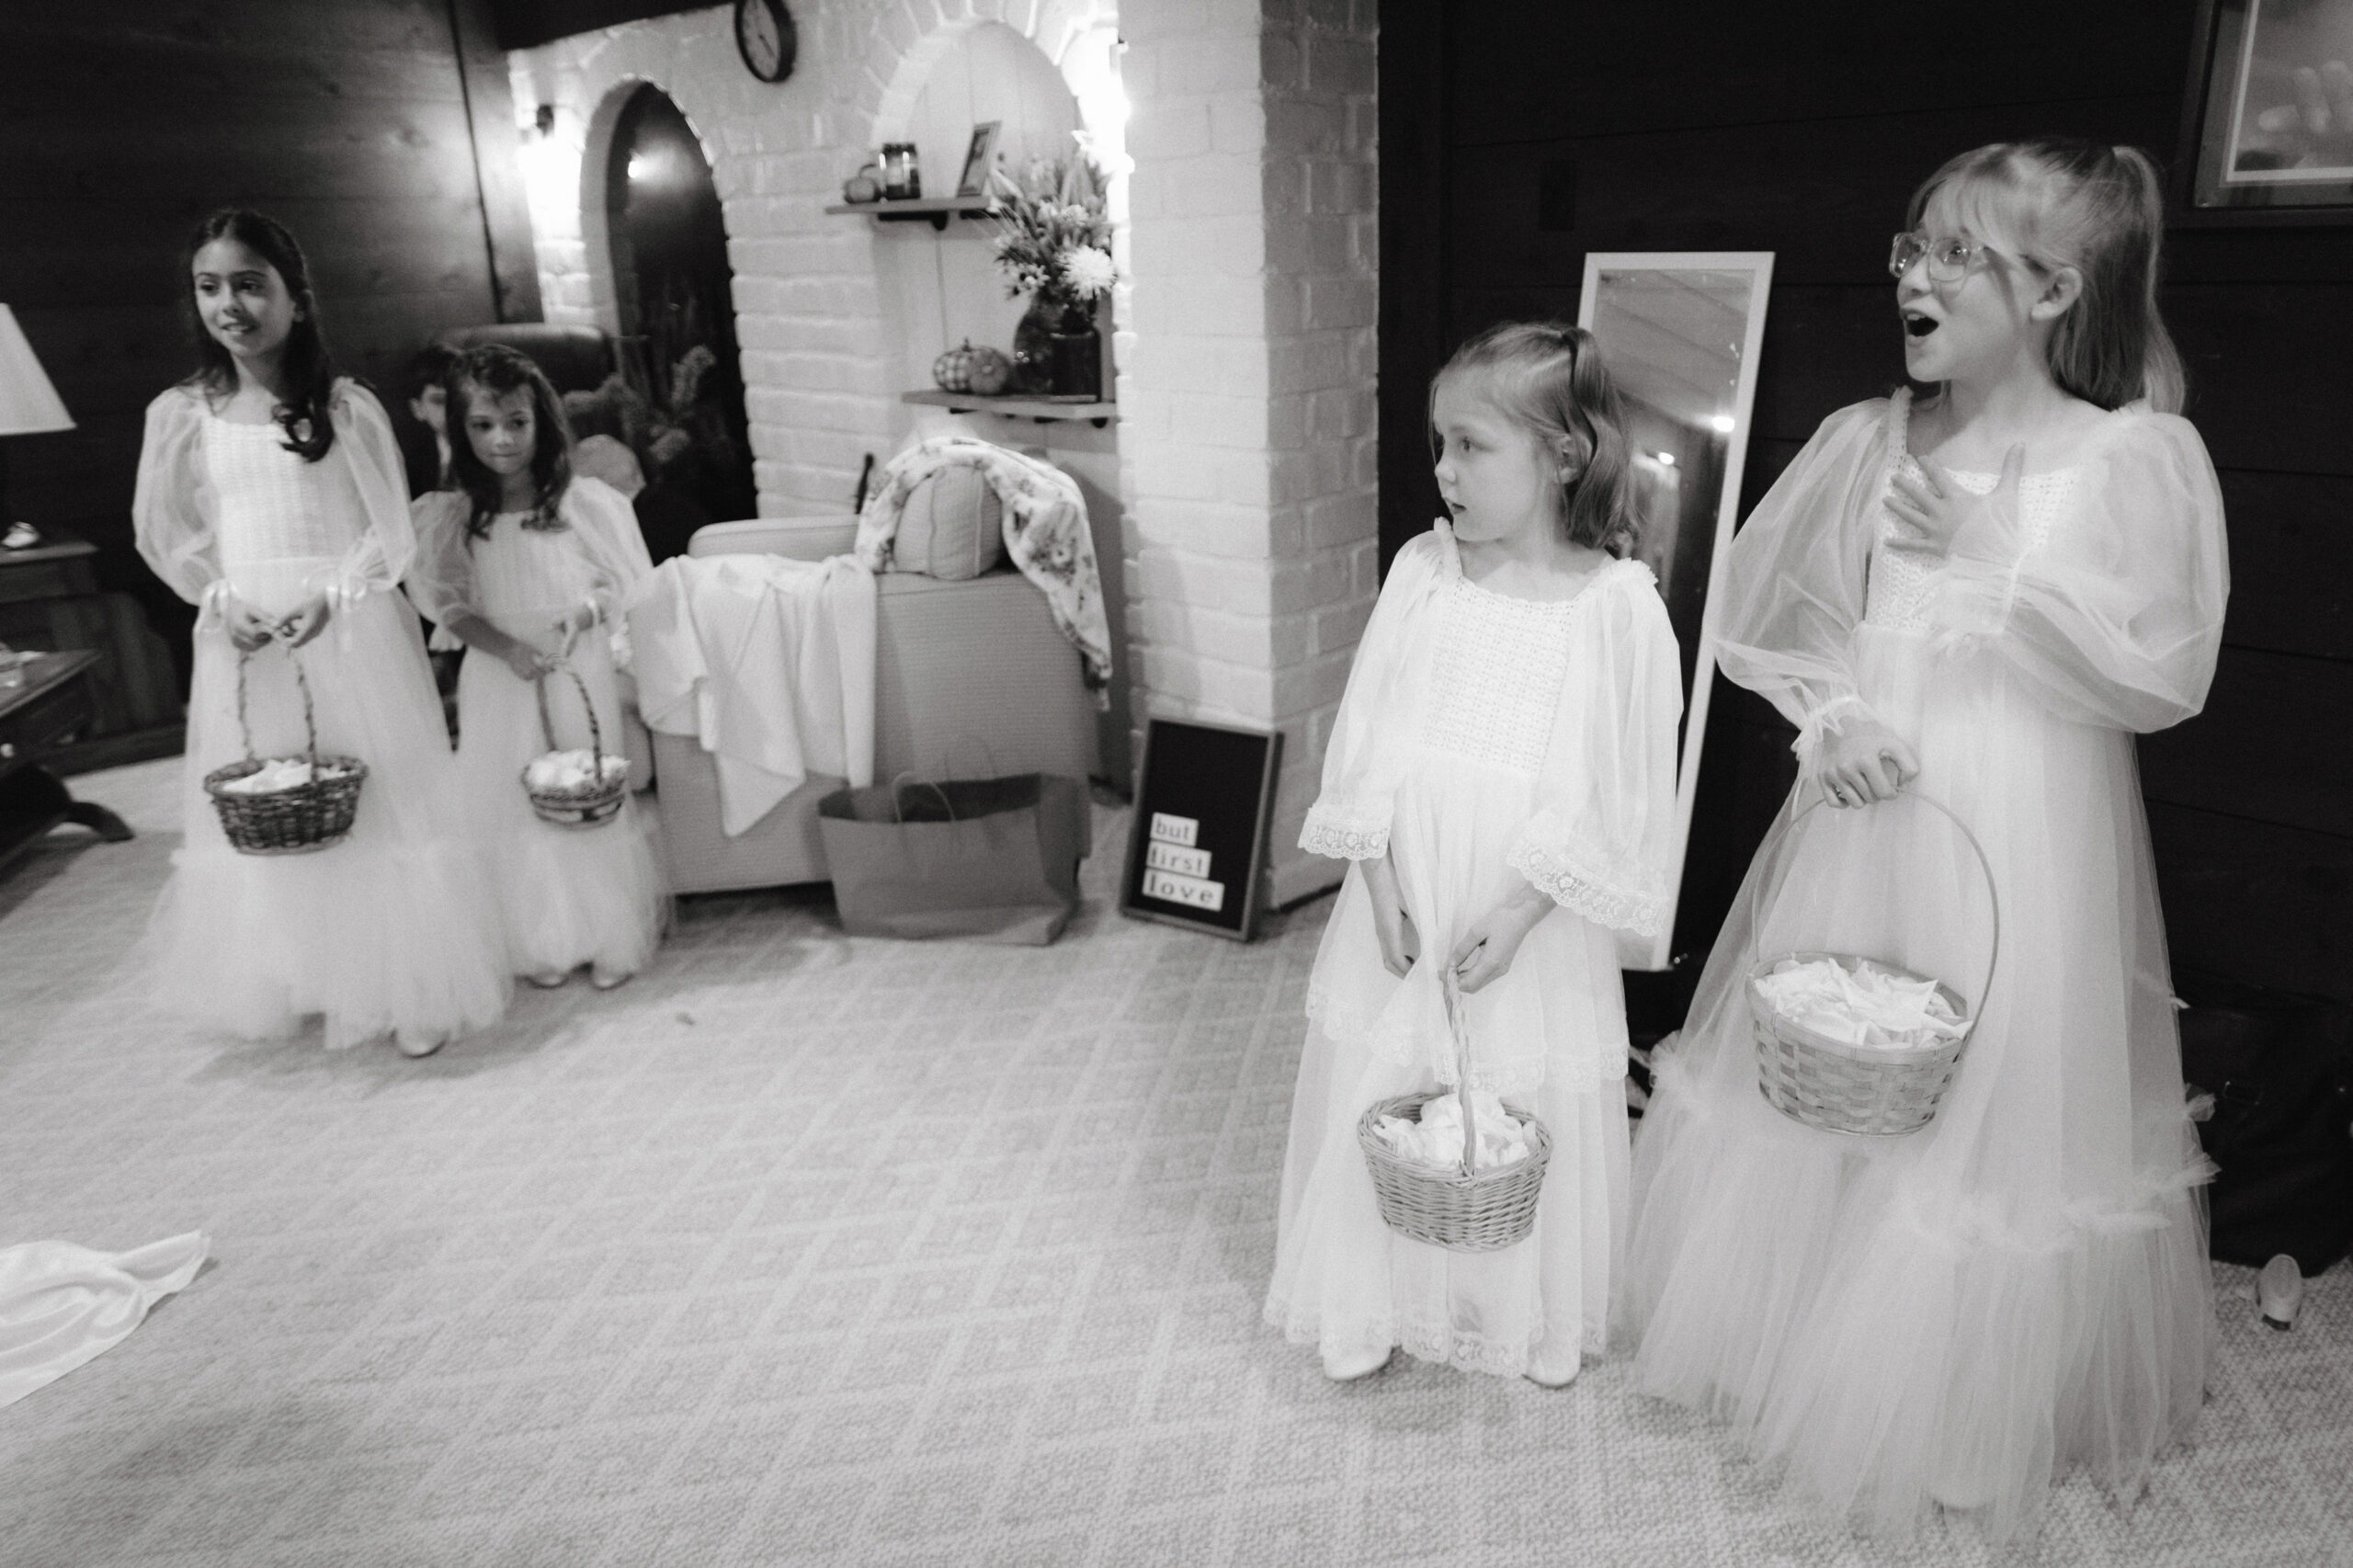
(807, 1250)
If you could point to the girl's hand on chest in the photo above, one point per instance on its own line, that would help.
(1932, 509)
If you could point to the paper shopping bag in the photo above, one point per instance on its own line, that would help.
(987, 859)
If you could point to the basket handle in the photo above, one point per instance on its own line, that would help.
(310, 719)
(900, 811)
(1450, 987)
(547, 726)
(1993, 894)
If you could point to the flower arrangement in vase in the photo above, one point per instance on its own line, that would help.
(1054, 244)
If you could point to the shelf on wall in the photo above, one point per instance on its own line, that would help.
(1044, 410)
(933, 210)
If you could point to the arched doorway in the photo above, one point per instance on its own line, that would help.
(672, 288)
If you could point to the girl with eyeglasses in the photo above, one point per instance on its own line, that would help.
(1982, 595)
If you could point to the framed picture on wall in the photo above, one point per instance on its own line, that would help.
(2267, 123)
(975, 180)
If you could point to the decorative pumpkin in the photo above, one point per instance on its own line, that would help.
(980, 371)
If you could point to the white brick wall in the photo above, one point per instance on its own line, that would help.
(1245, 564)
(1247, 373)
(820, 357)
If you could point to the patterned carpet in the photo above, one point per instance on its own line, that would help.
(807, 1250)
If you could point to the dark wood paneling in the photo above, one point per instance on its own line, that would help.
(2255, 901)
(2272, 743)
(229, 30)
(1823, 196)
(526, 24)
(498, 169)
(1555, 68)
(2291, 564)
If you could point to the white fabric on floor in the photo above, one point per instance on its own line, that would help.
(769, 662)
(63, 1304)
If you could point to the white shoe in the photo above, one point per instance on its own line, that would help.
(418, 1044)
(549, 979)
(1543, 1375)
(2280, 1291)
(606, 979)
(1348, 1366)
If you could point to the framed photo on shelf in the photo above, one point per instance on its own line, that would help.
(2266, 132)
(975, 180)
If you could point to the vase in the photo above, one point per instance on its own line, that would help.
(1078, 365)
(1033, 347)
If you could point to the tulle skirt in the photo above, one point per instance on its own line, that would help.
(395, 928)
(1961, 1314)
(1556, 1020)
(566, 896)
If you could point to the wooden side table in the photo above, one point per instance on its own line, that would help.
(49, 706)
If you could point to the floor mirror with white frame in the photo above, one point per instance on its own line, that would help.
(1679, 331)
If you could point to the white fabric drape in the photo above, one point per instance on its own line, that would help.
(769, 662)
(62, 1305)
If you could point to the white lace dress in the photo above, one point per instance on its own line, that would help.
(567, 895)
(393, 929)
(1483, 741)
(1957, 1316)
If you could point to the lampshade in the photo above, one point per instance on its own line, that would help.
(27, 403)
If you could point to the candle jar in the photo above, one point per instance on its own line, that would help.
(901, 180)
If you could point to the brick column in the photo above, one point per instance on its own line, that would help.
(1247, 372)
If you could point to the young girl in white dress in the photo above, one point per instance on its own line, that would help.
(270, 495)
(1980, 597)
(1501, 775)
(528, 565)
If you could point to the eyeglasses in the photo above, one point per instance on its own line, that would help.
(1948, 260)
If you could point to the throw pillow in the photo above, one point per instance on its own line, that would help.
(953, 526)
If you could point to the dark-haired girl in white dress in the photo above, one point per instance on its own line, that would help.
(270, 495)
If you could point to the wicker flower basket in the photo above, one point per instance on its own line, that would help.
(285, 822)
(1462, 1211)
(590, 804)
(1873, 1091)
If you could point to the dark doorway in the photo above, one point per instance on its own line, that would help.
(674, 289)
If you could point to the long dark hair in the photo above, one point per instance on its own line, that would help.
(497, 369)
(309, 369)
(2060, 201)
(1549, 377)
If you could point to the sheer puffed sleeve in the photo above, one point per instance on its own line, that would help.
(2117, 616)
(607, 526)
(1602, 839)
(1794, 591)
(171, 507)
(1351, 818)
(441, 576)
(363, 439)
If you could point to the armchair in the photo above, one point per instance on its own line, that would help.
(954, 662)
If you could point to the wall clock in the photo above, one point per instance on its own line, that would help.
(766, 38)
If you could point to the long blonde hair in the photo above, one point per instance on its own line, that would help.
(2057, 201)
(1549, 377)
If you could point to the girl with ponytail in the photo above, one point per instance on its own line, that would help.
(1500, 776)
(1978, 598)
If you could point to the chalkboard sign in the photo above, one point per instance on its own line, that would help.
(1198, 845)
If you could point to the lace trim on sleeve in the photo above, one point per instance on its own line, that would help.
(1584, 890)
(1822, 720)
(1329, 832)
